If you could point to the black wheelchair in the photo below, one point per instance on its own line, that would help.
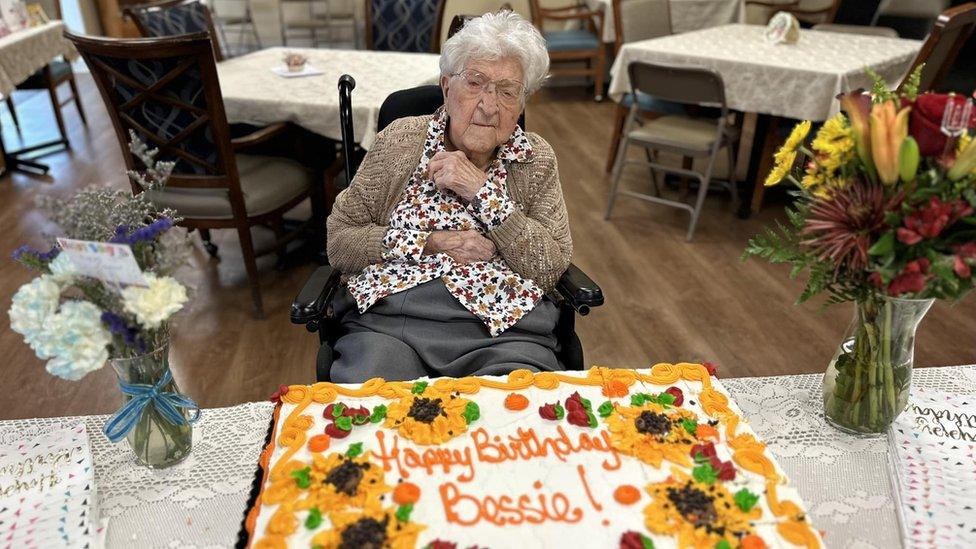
(574, 293)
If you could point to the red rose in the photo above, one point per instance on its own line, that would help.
(908, 236)
(574, 403)
(712, 368)
(912, 278)
(631, 540)
(548, 411)
(725, 470)
(925, 124)
(438, 544)
(578, 418)
(706, 450)
(282, 391)
(334, 431)
(679, 397)
(353, 412)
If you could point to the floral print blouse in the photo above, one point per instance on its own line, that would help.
(489, 289)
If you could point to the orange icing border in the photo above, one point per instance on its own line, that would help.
(748, 452)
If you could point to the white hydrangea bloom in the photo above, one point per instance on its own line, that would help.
(62, 269)
(154, 305)
(32, 306)
(78, 342)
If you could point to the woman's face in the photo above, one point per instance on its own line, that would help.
(481, 121)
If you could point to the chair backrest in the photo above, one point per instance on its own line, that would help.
(943, 44)
(635, 20)
(174, 18)
(866, 30)
(401, 25)
(166, 91)
(52, 8)
(451, 10)
(858, 12)
(689, 85)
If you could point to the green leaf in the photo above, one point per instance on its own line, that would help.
(605, 409)
(587, 405)
(723, 544)
(344, 423)
(418, 387)
(355, 450)
(638, 399)
(360, 419)
(665, 399)
(690, 425)
(560, 411)
(704, 473)
(403, 512)
(884, 246)
(647, 542)
(745, 500)
(314, 519)
(301, 477)
(337, 409)
(591, 418)
(471, 413)
(379, 414)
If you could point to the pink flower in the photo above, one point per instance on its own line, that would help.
(912, 279)
(965, 254)
(929, 221)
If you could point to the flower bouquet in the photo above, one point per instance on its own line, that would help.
(77, 323)
(884, 218)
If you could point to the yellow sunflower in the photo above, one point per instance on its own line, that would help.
(783, 163)
(652, 433)
(337, 481)
(430, 416)
(374, 528)
(799, 133)
(834, 143)
(700, 515)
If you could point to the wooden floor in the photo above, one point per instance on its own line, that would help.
(667, 300)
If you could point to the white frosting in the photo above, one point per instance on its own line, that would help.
(600, 518)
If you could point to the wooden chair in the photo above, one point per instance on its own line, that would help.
(49, 78)
(175, 18)
(943, 44)
(320, 16)
(459, 12)
(166, 91)
(635, 20)
(810, 12)
(583, 45)
(402, 25)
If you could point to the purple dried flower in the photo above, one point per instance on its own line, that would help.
(116, 324)
(49, 255)
(142, 234)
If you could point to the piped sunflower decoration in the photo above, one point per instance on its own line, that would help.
(430, 416)
(337, 481)
(654, 431)
(375, 528)
(702, 514)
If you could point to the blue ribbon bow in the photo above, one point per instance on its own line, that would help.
(166, 403)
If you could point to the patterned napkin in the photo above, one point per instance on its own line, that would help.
(933, 460)
(47, 491)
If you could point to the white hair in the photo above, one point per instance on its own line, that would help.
(495, 36)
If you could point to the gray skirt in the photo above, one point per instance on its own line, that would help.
(425, 331)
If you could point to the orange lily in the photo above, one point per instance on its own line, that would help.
(857, 106)
(889, 127)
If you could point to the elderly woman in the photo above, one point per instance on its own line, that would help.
(454, 227)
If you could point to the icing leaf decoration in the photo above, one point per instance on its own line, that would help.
(647, 542)
(666, 399)
(338, 409)
(638, 399)
(314, 519)
(379, 414)
(418, 387)
(690, 425)
(745, 500)
(301, 477)
(605, 409)
(560, 411)
(587, 405)
(471, 412)
(704, 473)
(355, 450)
(723, 544)
(635, 540)
(403, 512)
(591, 418)
(344, 423)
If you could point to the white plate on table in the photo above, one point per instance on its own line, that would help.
(308, 70)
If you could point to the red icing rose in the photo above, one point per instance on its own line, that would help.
(679, 397)
(725, 470)
(706, 449)
(334, 431)
(438, 544)
(282, 391)
(362, 411)
(712, 368)
(548, 411)
(631, 540)
(574, 402)
(578, 417)
(925, 124)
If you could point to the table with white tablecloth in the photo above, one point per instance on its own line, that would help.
(254, 95)
(843, 479)
(24, 52)
(686, 15)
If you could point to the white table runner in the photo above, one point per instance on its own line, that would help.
(200, 502)
(253, 94)
(25, 51)
(791, 80)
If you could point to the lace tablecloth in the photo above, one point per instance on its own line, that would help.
(792, 80)
(200, 502)
(255, 95)
(23, 52)
(686, 15)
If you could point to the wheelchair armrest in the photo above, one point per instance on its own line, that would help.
(579, 290)
(313, 300)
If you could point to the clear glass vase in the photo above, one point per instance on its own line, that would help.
(867, 383)
(156, 441)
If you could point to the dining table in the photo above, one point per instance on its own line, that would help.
(686, 15)
(254, 94)
(843, 479)
(773, 81)
(22, 53)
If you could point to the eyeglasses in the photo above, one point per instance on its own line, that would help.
(508, 92)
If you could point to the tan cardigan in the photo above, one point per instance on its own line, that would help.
(534, 240)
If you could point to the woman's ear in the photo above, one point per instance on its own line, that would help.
(445, 84)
